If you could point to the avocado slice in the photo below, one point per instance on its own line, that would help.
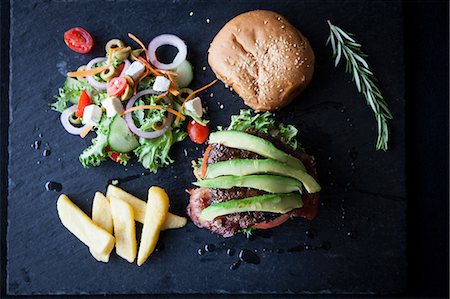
(275, 203)
(242, 167)
(265, 182)
(249, 142)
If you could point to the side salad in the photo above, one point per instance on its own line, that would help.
(133, 102)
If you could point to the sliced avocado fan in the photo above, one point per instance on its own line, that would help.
(255, 144)
(242, 167)
(274, 203)
(265, 182)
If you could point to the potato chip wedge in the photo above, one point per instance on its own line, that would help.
(124, 229)
(79, 224)
(101, 215)
(139, 207)
(155, 215)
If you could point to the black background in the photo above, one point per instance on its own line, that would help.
(426, 44)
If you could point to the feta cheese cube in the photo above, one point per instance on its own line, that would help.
(135, 70)
(113, 106)
(195, 106)
(161, 84)
(92, 115)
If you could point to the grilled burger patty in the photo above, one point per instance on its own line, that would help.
(229, 225)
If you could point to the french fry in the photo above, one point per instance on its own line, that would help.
(124, 228)
(101, 215)
(173, 221)
(139, 207)
(155, 215)
(79, 224)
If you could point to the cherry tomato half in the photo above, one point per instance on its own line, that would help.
(197, 132)
(78, 40)
(274, 223)
(116, 86)
(84, 101)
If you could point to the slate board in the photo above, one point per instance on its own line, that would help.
(335, 126)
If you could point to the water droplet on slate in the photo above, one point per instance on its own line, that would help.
(53, 186)
(210, 247)
(36, 144)
(230, 251)
(46, 153)
(235, 265)
(353, 234)
(311, 233)
(201, 251)
(248, 256)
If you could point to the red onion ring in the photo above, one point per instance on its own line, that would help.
(66, 123)
(94, 83)
(167, 39)
(130, 121)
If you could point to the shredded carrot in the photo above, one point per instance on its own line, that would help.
(191, 95)
(174, 91)
(155, 72)
(175, 74)
(88, 72)
(138, 41)
(172, 80)
(205, 160)
(162, 95)
(86, 131)
(111, 52)
(173, 111)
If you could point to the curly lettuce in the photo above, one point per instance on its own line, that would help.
(154, 153)
(70, 93)
(96, 153)
(264, 123)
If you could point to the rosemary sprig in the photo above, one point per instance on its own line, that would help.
(344, 45)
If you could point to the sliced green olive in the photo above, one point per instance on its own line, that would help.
(127, 93)
(79, 78)
(136, 52)
(75, 120)
(184, 93)
(108, 74)
(114, 43)
(122, 54)
(130, 80)
(159, 125)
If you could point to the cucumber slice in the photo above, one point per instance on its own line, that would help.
(120, 138)
(185, 74)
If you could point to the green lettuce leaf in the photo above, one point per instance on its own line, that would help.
(96, 153)
(146, 83)
(70, 93)
(264, 123)
(154, 153)
(259, 122)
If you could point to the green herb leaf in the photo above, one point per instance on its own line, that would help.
(247, 231)
(364, 79)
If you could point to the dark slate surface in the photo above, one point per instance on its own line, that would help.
(43, 258)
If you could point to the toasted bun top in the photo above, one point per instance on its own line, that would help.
(264, 58)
